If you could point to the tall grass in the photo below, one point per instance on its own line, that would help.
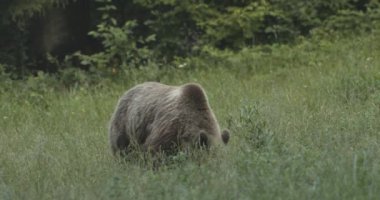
(305, 124)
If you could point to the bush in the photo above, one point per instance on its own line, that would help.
(256, 130)
(122, 48)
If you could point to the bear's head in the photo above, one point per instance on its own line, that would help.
(201, 126)
(211, 139)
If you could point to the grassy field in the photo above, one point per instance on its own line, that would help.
(305, 123)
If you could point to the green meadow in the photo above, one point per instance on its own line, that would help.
(304, 122)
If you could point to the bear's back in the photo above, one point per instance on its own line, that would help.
(154, 94)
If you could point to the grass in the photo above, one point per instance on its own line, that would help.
(304, 122)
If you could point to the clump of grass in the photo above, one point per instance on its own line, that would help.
(251, 126)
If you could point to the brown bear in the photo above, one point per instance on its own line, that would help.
(155, 117)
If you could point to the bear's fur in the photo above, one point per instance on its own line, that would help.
(156, 117)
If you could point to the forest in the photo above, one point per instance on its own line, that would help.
(297, 84)
(110, 36)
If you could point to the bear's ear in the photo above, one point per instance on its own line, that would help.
(203, 140)
(225, 136)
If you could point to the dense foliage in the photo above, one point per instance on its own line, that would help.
(116, 35)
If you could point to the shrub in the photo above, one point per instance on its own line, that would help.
(254, 126)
